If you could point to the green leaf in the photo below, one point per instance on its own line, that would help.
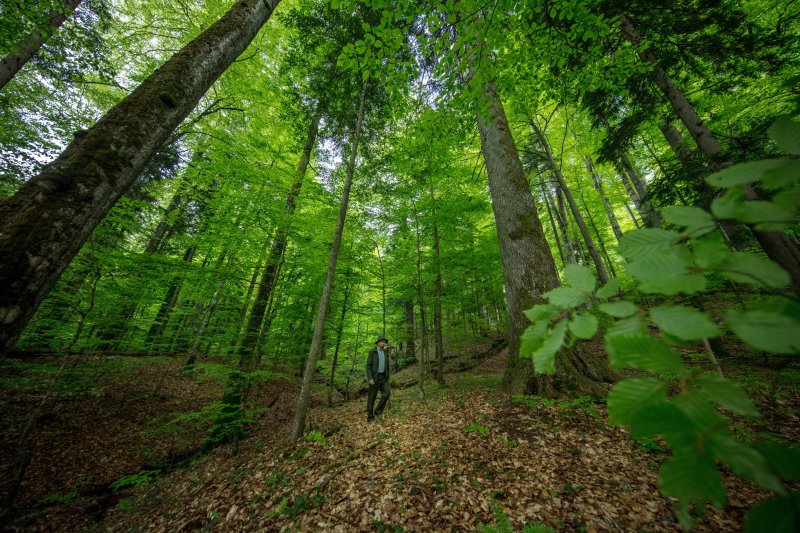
(710, 250)
(783, 460)
(619, 309)
(643, 352)
(745, 173)
(633, 325)
(786, 134)
(702, 413)
(541, 312)
(766, 330)
(544, 361)
(609, 289)
(683, 322)
(774, 516)
(692, 477)
(660, 418)
(726, 393)
(646, 241)
(629, 396)
(730, 205)
(579, 277)
(583, 325)
(745, 267)
(532, 337)
(667, 273)
(566, 297)
(746, 462)
(694, 219)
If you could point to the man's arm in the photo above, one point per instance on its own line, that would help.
(370, 377)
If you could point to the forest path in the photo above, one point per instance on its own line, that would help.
(437, 464)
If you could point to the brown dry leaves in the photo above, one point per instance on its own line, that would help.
(420, 470)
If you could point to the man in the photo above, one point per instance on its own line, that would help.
(378, 376)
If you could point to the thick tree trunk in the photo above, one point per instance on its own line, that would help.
(316, 340)
(47, 221)
(777, 245)
(576, 214)
(528, 267)
(24, 51)
(437, 295)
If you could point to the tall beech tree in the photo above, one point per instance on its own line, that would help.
(44, 224)
(528, 267)
(299, 425)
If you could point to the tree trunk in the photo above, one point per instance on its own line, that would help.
(339, 328)
(551, 217)
(266, 287)
(423, 359)
(49, 218)
(313, 353)
(411, 346)
(576, 214)
(597, 181)
(528, 267)
(437, 299)
(246, 300)
(24, 51)
(563, 224)
(778, 246)
(212, 306)
(159, 325)
(597, 235)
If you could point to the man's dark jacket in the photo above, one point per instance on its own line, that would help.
(372, 364)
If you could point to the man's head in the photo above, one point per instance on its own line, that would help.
(382, 342)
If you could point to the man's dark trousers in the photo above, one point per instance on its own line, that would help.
(382, 384)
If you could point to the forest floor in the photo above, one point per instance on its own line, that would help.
(466, 455)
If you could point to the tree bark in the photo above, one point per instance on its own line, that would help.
(437, 298)
(47, 221)
(777, 245)
(313, 353)
(528, 267)
(576, 214)
(17, 58)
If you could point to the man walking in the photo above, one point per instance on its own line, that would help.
(378, 376)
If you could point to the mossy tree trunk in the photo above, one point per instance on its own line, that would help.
(528, 267)
(49, 218)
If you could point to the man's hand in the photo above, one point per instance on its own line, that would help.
(372, 382)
